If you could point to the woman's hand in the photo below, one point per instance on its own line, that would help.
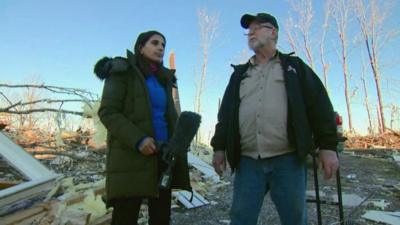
(148, 146)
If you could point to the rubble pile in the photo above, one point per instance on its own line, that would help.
(387, 140)
(76, 197)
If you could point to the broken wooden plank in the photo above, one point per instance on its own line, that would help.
(203, 167)
(7, 184)
(23, 216)
(349, 200)
(185, 196)
(82, 196)
(26, 190)
(31, 220)
(104, 220)
(392, 218)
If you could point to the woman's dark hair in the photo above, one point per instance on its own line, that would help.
(143, 63)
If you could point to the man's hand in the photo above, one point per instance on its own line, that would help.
(329, 162)
(148, 146)
(219, 162)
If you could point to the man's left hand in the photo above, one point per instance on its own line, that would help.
(329, 162)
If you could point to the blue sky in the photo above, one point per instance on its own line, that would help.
(59, 42)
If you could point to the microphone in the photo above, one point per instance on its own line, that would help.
(186, 128)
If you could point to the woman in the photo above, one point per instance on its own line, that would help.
(137, 109)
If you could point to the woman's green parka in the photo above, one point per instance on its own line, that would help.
(125, 111)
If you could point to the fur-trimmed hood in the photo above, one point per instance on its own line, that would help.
(106, 65)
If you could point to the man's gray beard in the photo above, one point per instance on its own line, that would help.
(255, 45)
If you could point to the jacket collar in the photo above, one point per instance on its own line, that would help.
(284, 58)
(253, 62)
(131, 58)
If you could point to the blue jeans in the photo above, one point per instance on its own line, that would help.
(283, 175)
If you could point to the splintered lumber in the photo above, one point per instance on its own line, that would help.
(81, 196)
(7, 184)
(58, 211)
(387, 140)
(25, 216)
(104, 220)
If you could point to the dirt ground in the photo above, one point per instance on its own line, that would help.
(371, 174)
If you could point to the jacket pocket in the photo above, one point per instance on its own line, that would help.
(124, 160)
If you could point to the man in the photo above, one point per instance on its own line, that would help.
(274, 112)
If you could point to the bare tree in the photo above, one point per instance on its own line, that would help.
(304, 11)
(208, 26)
(377, 113)
(371, 19)
(324, 64)
(341, 10)
(300, 35)
(30, 104)
(290, 35)
(394, 115)
(366, 100)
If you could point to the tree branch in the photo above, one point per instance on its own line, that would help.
(70, 155)
(49, 101)
(6, 110)
(8, 100)
(55, 89)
